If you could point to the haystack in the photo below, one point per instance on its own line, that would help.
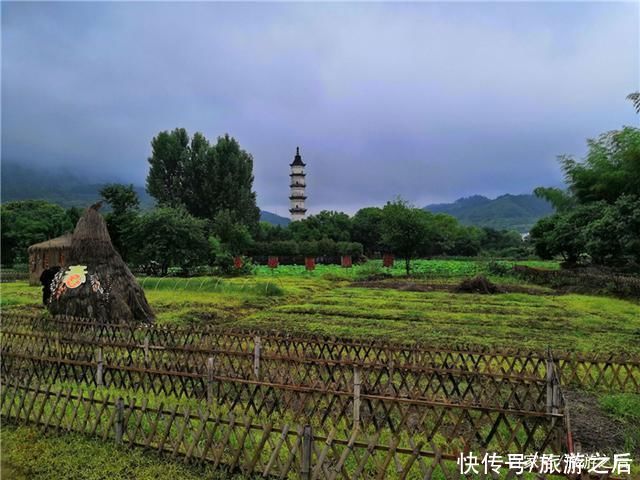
(96, 282)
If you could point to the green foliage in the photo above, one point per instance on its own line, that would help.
(610, 169)
(27, 454)
(206, 179)
(121, 221)
(170, 236)
(560, 199)
(366, 229)
(30, 221)
(405, 231)
(233, 234)
(327, 224)
(225, 265)
(597, 217)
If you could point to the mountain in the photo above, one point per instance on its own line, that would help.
(63, 188)
(273, 219)
(508, 212)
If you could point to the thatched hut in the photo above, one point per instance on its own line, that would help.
(47, 254)
(97, 283)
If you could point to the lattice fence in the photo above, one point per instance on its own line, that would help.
(237, 442)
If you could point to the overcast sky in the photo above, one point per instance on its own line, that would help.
(431, 101)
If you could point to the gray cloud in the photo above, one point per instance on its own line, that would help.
(431, 101)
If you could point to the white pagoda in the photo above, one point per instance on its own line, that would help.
(297, 196)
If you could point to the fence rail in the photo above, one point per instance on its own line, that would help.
(619, 373)
(457, 424)
(523, 392)
(239, 443)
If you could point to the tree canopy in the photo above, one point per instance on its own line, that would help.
(597, 215)
(203, 178)
(31, 221)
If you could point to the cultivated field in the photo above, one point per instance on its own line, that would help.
(489, 392)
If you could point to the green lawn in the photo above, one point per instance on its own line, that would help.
(28, 455)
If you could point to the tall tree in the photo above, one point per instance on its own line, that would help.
(206, 179)
(166, 178)
(125, 207)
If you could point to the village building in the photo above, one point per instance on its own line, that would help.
(47, 254)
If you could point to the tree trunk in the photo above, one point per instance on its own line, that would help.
(407, 265)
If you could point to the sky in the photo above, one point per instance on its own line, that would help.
(429, 101)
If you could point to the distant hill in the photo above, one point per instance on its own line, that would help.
(508, 212)
(273, 219)
(63, 188)
(56, 186)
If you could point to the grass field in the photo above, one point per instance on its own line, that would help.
(325, 301)
(27, 455)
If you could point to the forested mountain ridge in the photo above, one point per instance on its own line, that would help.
(64, 188)
(509, 212)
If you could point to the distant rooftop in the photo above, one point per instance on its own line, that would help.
(297, 160)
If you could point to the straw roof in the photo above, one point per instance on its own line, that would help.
(63, 241)
(107, 290)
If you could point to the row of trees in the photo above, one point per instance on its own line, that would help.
(598, 215)
(171, 236)
(206, 213)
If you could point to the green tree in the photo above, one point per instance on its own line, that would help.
(405, 230)
(233, 235)
(329, 224)
(27, 222)
(561, 200)
(204, 178)
(170, 237)
(365, 226)
(125, 207)
(610, 169)
(166, 179)
(596, 216)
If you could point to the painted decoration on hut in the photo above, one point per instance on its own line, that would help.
(76, 275)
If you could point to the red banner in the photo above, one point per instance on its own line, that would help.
(237, 262)
(273, 262)
(310, 263)
(346, 261)
(387, 260)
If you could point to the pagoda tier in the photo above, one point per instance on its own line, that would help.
(298, 174)
(297, 197)
(298, 210)
(299, 185)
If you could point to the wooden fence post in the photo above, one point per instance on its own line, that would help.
(356, 396)
(119, 423)
(549, 381)
(307, 448)
(146, 348)
(257, 350)
(99, 372)
(210, 381)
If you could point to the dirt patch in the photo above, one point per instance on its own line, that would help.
(478, 284)
(593, 429)
(413, 286)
